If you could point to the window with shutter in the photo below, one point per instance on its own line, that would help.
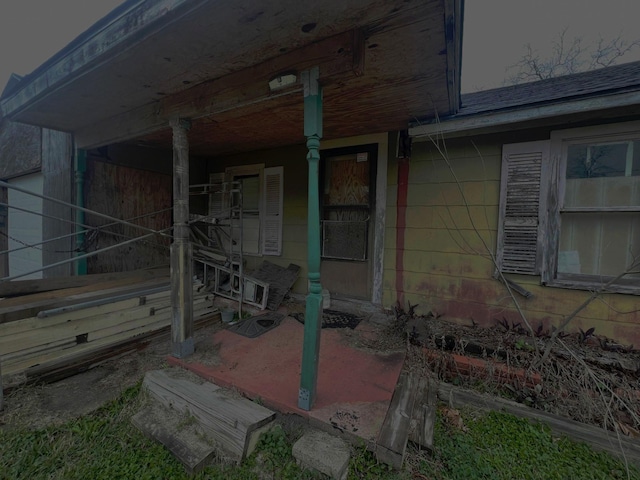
(272, 216)
(522, 207)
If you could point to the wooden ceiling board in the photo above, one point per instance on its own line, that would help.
(395, 89)
(213, 63)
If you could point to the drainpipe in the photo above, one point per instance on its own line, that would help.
(403, 156)
(80, 167)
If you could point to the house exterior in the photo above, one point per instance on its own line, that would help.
(534, 183)
(37, 160)
(531, 187)
(300, 102)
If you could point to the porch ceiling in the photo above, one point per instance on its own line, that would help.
(383, 63)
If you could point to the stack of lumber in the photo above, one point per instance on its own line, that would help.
(56, 327)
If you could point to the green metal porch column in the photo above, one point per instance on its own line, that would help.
(181, 248)
(80, 168)
(313, 313)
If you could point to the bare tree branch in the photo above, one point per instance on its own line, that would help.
(568, 56)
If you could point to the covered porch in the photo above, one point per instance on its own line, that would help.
(220, 83)
(358, 372)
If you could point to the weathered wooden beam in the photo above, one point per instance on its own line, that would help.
(181, 248)
(424, 413)
(313, 311)
(230, 422)
(394, 434)
(337, 56)
(27, 287)
(14, 309)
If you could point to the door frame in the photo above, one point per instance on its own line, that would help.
(380, 202)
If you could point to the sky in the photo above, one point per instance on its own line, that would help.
(495, 31)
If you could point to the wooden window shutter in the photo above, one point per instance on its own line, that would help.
(272, 217)
(522, 207)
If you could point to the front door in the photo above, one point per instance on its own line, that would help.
(347, 203)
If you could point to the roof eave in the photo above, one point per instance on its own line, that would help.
(502, 120)
(119, 30)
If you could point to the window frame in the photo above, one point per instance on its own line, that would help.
(560, 140)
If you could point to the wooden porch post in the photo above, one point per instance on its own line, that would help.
(181, 248)
(313, 314)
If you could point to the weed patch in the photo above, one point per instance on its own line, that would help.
(502, 446)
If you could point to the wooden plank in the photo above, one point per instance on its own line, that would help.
(22, 363)
(339, 55)
(598, 438)
(89, 330)
(127, 192)
(69, 345)
(71, 364)
(33, 323)
(92, 326)
(392, 440)
(57, 173)
(28, 287)
(20, 307)
(227, 420)
(424, 414)
(184, 440)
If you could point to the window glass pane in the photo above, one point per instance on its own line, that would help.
(599, 243)
(603, 175)
(250, 192)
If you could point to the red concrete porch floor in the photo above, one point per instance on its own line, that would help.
(355, 386)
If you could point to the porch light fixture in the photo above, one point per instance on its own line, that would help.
(282, 80)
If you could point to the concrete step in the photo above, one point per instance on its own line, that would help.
(317, 450)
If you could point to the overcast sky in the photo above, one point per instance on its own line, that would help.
(495, 30)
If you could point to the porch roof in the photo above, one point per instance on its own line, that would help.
(382, 64)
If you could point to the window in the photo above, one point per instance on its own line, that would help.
(570, 208)
(262, 195)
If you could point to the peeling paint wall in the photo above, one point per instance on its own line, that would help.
(451, 229)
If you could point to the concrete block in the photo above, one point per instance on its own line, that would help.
(325, 453)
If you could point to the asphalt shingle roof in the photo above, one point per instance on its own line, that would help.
(604, 81)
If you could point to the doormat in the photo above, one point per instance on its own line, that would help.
(334, 319)
(255, 326)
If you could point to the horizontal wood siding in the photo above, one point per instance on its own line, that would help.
(452, 230)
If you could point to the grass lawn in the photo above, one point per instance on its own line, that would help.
(105, 445)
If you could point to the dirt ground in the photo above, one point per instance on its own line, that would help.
(37, 406)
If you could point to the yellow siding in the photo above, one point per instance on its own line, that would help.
(451, 230)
